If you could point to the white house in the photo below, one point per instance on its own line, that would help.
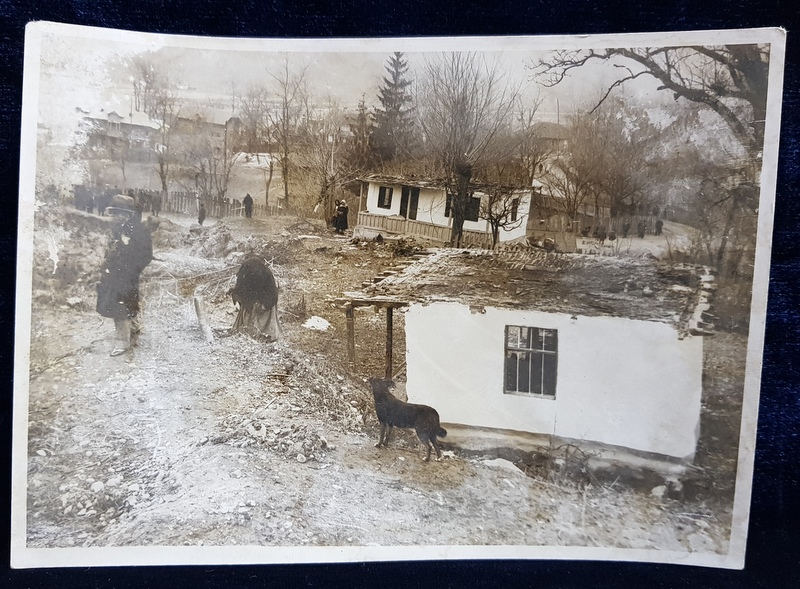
(421, 208)
(593, 349)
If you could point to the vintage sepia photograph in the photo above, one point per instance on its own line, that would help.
(391, 299)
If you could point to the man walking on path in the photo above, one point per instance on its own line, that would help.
(248, 206)
(131, 250)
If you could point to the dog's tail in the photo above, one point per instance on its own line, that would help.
(442, 432)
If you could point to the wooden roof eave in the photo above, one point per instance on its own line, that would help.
(359, 299)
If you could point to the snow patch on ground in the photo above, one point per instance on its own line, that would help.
(317, 323)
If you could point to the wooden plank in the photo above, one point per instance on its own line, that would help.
(201, 319)
(351, 335)
(389, 321)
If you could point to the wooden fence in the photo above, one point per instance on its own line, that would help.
(436, 233)
(616, 223)
(187, 203)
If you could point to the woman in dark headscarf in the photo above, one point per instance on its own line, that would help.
(130, 251)
(341, 216)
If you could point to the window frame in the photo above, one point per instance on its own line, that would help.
(473, 206)
(534, 356)
(385, 197)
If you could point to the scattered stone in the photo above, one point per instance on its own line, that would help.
(659, 491)
(41, 453)
(317, 324)
(301, 458)
(134, 488)
(74, 302)
(505, 464)
(97, 486)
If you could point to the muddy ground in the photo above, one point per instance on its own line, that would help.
(238, 441)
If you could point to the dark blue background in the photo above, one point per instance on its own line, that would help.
(773, 549)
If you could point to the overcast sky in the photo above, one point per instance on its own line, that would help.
(90, 73)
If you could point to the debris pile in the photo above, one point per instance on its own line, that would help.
(293, 440)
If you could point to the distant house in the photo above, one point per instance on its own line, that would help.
(133, 141)
(422, 208)
(107, 128)
(590, 349)
(140, 131)
(215, 125)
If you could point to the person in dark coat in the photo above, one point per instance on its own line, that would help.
(335, 216)
(158, 200)
(341, 217)
(641, 228)
(625, 228)
(248, 206)
(659, 226)
(201, 214)
(256, 294)
(130, 251)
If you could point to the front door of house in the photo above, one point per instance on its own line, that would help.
(409, 202)
(413, 204)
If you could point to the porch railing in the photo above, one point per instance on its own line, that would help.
(396, 225)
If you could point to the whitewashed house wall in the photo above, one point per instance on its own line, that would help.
(431, 209)
(623, 382)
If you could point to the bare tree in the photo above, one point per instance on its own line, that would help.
(119, 152)
(534, 149)
(259, 132)
(607, 161)
(253, 110)
(210, 153)
(155, 85)
(568, 191)
(626, 145)
(150, 77)
(730, 80)
(464, 104)
(325, 152)
(285, 120)
(362, 128)
(166, 109)
(501, 205)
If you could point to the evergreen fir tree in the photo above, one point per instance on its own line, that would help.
(393, 122)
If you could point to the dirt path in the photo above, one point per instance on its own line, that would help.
(182, 442)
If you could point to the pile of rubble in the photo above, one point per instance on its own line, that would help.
(294, 441)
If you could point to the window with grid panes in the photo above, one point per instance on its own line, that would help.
(531, 361)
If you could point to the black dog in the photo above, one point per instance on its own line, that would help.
(393, 412)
